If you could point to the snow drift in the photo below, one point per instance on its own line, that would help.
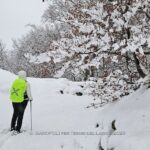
(62, 121)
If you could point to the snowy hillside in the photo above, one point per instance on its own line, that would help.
(62, 121)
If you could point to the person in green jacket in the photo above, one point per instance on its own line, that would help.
(20, 94)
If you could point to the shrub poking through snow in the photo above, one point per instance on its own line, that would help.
(111, 88)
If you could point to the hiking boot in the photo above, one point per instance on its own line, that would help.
(18, 131)
(12, 129)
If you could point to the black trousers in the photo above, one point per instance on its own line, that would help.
(18, 114)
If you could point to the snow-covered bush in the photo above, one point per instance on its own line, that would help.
(110, 89)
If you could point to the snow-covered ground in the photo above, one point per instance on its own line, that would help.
(55, 113)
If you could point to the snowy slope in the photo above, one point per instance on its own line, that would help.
(133, 118)
(51, 112)
(54, 113)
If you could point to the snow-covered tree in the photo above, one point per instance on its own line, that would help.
(3, 56)
(101, 31)
(106, 41)
(31, 52)
(90, 38)
(105, 37)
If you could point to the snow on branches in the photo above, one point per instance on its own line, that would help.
(90, 39)
(97, 27)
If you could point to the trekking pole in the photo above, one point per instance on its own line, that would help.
(31, 114)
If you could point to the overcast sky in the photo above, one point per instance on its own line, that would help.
(15, 15)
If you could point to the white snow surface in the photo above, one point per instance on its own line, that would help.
(55, 113)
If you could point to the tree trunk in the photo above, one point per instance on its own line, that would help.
(139, 69)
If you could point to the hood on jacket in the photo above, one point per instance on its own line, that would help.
(22, 75)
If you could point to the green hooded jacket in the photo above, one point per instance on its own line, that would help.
(17, 90)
